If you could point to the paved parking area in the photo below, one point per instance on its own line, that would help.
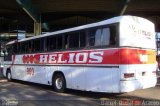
(38, 95)
(27, 94)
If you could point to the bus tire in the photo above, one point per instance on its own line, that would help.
(59, 82)
(9, 75)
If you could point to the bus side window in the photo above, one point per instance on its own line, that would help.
(82, 39)
(42, 44)
(22, 47)
(92, 37)
(30, 47)
(51, 43)
(66, 41)
(15, 48)
(98, 37)
(74, 40)
(105, 39)
(27, 47)
(95, 37)
(59, 42)
(36, 45)
(113, 35)
(102, 37)
(48, 43)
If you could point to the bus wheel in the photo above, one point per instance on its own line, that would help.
(59, 83)
(9, 76)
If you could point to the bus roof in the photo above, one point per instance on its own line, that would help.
(105, 22)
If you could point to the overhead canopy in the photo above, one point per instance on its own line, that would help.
(60, 14)
(28, 7)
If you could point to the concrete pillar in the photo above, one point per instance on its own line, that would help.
(37, 28)
(1, 72)
(33, 12)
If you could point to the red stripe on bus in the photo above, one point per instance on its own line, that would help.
(137, 56)
(112, 56)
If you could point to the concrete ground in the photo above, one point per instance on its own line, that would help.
(39, 95)
(29, 94)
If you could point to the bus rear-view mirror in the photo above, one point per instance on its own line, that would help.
(4, 53)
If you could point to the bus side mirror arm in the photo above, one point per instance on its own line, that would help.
(3, 53)
(6, 53)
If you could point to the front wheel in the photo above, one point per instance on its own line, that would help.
(9, 76)
(59, 83)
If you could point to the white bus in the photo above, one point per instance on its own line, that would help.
(115, 55)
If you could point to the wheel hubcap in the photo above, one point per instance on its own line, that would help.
(59, 83)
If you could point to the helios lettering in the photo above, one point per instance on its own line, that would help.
(65, 58)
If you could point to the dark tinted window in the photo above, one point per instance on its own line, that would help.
(36, 45)
(82, 39)
(66, 41)
(28, 47)
(22, 47)
(18, 47)
(15, 50)
(51, 43)
(42, 44)
(113, 37)
(74, 40)
(59, 42)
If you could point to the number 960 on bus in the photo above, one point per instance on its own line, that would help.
(30, 71)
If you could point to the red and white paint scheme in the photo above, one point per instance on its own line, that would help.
(128, 67)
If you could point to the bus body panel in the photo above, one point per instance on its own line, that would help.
(128, 65)
(141, 63)
(132, 85)
(144, 77)
(78, 76)
(83, 78)
(107, 79)
(137, 32)
(109, 74)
